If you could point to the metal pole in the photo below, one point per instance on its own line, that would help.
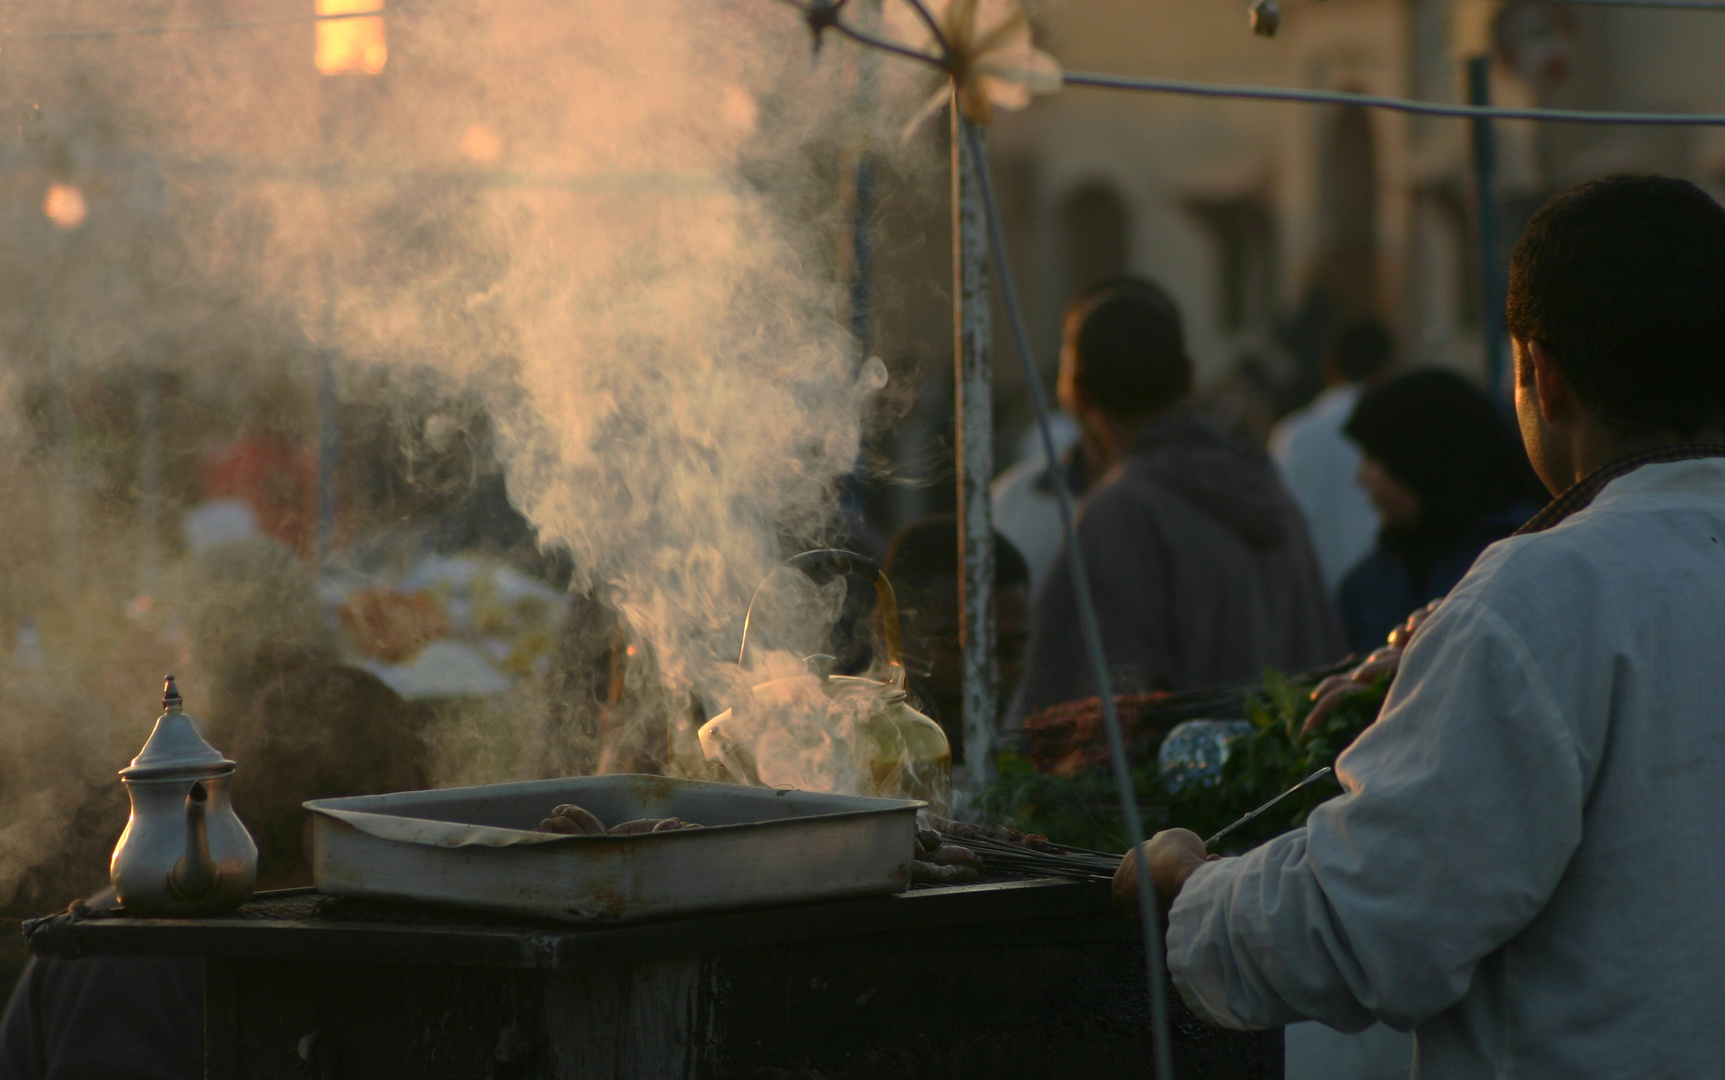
(862, 194)
(1491, 276)
(856, 243)
(66, 509)
(328, 447)
(328, 438)
(1088, 627)
(974, 410)
(862, 253)
(150, 472)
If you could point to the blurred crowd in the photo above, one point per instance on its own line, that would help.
(1232, 532)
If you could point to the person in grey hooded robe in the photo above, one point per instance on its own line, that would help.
(1200, 564)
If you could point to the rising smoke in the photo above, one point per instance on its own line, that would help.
(611, 225)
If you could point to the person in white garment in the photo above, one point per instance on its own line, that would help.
(1026, 509)
(1526, 865)
(1320, 465)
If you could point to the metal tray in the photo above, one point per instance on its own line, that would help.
(477, 847)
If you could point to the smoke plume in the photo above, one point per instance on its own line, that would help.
(613, 226)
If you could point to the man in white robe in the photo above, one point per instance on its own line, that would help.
(1527, 866)
(1320, 465)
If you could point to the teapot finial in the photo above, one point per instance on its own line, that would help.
(175, 749)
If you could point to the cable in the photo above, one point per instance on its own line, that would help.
(183, 28)
(1674, 5)
(1088, 626)
(1316, 97)
(1422, 108)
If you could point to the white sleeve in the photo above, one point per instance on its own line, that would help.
(1463, 806)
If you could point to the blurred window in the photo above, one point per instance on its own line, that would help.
(1244, 234)
(1095, 236)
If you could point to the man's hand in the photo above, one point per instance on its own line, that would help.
(1173, 854)
(1332, 691)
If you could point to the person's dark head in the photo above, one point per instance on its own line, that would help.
(1361, 352)
(1439, 457)
(315, 730)
(1618, 286)
(922, 564)
(1124, 352)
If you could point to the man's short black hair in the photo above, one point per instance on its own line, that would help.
(1097, 291)
(1622, 281)
(1362, 350)
(1131, 349)
(928, 548)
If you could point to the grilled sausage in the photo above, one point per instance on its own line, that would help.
(932, 874)
(586, 822)
(954, 855)
(566, 826)
(639, 825)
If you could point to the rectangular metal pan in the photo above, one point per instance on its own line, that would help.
(477, 847)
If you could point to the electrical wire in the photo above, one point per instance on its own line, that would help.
(1140, 84)
(1375, 101)
(1089, 628)
(1669, 5)
(184, 28)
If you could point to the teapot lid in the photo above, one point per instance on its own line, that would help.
(175, 748)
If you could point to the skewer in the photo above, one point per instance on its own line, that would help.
(1253, 815)
(1007, 856)
(1081, 863)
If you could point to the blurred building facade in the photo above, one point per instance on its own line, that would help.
(1272, 222)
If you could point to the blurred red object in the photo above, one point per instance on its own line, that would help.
(391, 626)
(1063, 740)
(276, 478)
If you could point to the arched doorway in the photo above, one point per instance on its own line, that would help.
(1348, 212)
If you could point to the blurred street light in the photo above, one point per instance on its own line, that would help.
(351, 45)
(480, 144)
(64, 205)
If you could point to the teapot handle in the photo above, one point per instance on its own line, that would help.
(840, 559)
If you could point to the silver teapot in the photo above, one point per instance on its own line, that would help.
(184, 851)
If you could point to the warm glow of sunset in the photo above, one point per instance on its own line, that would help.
(349, 45)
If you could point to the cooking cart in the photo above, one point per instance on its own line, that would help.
(1028, 978)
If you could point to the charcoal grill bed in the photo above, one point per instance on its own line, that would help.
(1026, 978)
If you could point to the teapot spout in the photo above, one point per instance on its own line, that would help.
(194, 874)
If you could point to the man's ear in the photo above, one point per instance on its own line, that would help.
(1556, 396)
(1075, 399)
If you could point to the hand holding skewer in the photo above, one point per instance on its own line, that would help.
(1173, 854)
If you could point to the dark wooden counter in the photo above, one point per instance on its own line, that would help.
(1017, 979)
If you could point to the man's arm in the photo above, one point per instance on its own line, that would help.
(1464, 806)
